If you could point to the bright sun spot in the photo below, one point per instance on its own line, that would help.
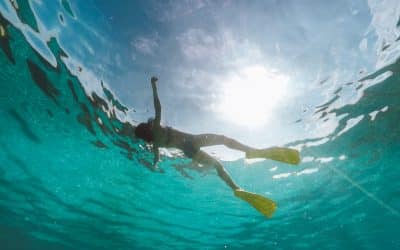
(249, 96)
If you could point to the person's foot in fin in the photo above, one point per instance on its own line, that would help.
(262, 204)
(286, 155)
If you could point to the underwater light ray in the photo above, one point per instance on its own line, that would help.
(364, 191)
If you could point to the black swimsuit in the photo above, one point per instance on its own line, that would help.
(169, 129)
(189, 148)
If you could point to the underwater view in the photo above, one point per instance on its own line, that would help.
(314, 79)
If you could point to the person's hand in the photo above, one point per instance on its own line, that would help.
(154, 80)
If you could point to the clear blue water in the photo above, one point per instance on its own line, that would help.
(72, 175)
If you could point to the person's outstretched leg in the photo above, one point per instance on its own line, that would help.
(261, 203)
(205, 140)
(286, 155)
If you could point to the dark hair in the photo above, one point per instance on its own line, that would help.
(144, 131)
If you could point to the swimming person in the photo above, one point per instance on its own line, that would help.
(159, 136)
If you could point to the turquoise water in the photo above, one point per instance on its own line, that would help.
(73, 176)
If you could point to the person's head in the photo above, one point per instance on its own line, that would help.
(144, 131)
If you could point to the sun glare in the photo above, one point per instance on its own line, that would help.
(249, 96)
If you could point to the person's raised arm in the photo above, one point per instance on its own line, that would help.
(157, 104)
(157, 120)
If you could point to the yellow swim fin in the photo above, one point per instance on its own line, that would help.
(286, 155)
(262, 204)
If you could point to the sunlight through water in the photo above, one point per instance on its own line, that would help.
(249, 96)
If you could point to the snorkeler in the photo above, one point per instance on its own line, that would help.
(159, 136)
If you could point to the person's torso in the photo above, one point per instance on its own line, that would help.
(171, 138)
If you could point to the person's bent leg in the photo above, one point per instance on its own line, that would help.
(204, 158)
(260, 203)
